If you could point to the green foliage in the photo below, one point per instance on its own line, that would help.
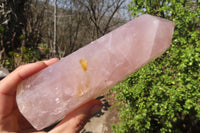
(46, 49)
(164, 96)
(15, 59)
(10, 62)
(22, 37)
(30, 54)
(1, 30)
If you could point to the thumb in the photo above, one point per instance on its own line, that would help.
(77, 119)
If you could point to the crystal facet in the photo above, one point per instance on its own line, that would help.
(50, 94)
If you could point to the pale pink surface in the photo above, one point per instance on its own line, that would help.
(55, 91)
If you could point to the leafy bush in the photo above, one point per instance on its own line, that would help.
(15, 59)
(164, 96)
(30, 54)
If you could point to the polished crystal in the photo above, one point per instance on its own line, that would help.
(52, 93)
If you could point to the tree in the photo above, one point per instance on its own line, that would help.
(55, 28)
(70, 20)
(101, 13)
(35, 12)
(28, 27)
(13, 22)
(164, 95)
(75, 27)
(21, 24)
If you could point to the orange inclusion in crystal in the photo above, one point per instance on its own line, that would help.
(83, 63)
(82, 89)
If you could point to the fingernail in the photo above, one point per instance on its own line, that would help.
(49, 60)
(95, 108)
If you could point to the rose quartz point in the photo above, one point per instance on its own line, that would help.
(52, 93)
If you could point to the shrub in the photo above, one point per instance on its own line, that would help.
(164, 96)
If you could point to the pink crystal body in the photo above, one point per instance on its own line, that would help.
(57, 90)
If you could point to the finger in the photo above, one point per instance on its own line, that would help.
(51, 61)
(76, 120)
(9, 84)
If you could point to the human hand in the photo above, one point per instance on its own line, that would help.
(11, 120)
